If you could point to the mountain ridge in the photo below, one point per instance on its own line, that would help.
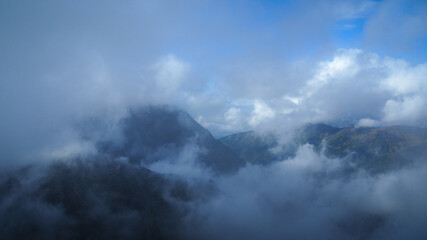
(153, 133)
(389, 145)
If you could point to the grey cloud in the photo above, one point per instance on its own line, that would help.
(397, 27)
(309, 197)
(306, 196)
(66, 62)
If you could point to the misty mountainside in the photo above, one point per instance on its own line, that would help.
(264, 149)
(121, 191)
(154, 133)
(110, 194)
(251, 147)
(374, 149)
(95, 198)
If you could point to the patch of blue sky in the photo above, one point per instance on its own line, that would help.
(349, 33)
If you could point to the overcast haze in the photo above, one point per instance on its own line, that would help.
(77, 79)
(232, 65)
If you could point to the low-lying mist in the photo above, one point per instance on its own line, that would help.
(313, 197)
(180, 193)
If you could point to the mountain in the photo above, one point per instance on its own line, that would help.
(258, 148)
(315, 134)
(154, 133)
(379, 149)
(103, 197)
(94, 199)
(251, 147)
(375, 149)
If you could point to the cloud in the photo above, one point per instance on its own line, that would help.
(70, 72)
(407, 110)
(342, 66)
(171, 73)
(185, 163)
(85, 61)
(397, 27)
(367, 122)
(307, 196)
(404, 78)
(312, 196)
(350, 88)
(261, 113)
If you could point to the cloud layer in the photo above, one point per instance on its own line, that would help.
(70, 72)
(309, 196)
(270, 65)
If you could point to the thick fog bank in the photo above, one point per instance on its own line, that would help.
(158, 174)
(313, 197)
(307, 197)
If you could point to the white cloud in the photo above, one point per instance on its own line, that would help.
(407, 110)
(261, 112)
(353, 87)
(367, 122)
(171, 73)
(403, 78)
(233, 118)
(311, 191)
(202, 121)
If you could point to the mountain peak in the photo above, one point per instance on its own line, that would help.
(152, 133)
